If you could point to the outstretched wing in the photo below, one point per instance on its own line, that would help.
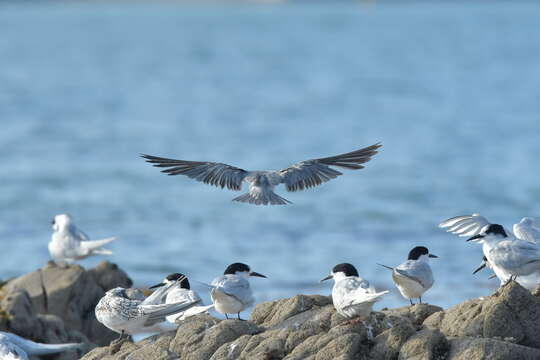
(465, 225)
(528, 229)
(211, 173)
(311, 173)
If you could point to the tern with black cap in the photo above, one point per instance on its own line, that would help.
(353, 297)
(507, 254)
(527, 229)
(414, 277)
(231, 292)
(180, 291)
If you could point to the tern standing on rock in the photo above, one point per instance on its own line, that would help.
(353, 297)
(69, 244)
(126, 311)
(527, 229)
(414, 277)
(181, 292)
(302, 175)
(231, 292)
(512, 256)
(13, 347)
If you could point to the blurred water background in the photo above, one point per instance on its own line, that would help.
(451, 89)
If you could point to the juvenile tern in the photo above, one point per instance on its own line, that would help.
(14, 347)
(414, 277)
(353, 297)
(527, 229)
(126, 311)
(181, 292)
(300, 176)
(231, 292)
(69, 244)
(512, 256)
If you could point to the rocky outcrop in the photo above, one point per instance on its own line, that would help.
(500, 326)
(56, 305)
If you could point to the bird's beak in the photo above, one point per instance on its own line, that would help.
(253, 273)
(52, 222)
(432, 256)
(157, 285)
(476, 237)
(327, 278)
(483, 265)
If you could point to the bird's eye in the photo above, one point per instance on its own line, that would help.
(52, 222)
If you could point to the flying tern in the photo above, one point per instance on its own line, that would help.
(300, 176)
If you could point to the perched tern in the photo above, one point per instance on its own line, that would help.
(69, 244)
(302, 175)
(14, 347)
(231, 292)
(414, 277)
(527, 229)
(353, 297)
(126, 311)
(181, 292)
(510, 255)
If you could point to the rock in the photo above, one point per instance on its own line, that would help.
(388, 343)
(71, 293)
(272, 313)
(416, 313)
(56, 305)
(511, 313)
(425, 345)
(479, 349)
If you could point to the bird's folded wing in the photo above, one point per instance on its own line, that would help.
(216, 174)
(311, 173)
(237, 288)
(410, 276)
(33, 348)
(465, 225)
(160, 311)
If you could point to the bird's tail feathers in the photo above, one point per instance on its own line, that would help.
(388, 267)
(95, 244)
(262, 198)
(376, 296)
(102, 251)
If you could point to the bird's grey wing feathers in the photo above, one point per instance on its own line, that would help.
(528, 229)
(158, 312)
(311, 173)
(216, 174)
(236, 287)
(417, 271)
(465, 225)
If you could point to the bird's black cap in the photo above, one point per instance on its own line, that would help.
(346, 268)
(236, 267)
(418, 251)
(495, 229)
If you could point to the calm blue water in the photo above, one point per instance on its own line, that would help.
(452, 90)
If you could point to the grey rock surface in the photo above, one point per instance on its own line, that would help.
(512, 314)
(56, 305)
(48, 306)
